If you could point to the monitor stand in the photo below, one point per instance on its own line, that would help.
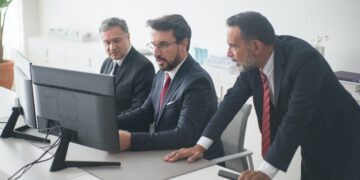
(59, 162)
(10, 131)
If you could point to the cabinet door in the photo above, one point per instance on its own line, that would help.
(83, 59)
(77, 59)
(227, 81)
(38, 52)
(57, 55)
(95, 60)
(47, 53)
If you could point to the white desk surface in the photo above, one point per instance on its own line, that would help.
(208, 173)
(134, 165)
(15, 153)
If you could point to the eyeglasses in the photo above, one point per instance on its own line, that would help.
(161, 45)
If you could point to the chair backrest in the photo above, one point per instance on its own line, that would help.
(233, 137)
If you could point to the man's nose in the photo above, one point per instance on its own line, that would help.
(112, 46)
(230, 53)
(156, 51)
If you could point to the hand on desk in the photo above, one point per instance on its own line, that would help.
(192, 154)
(125, 140)
(253, 175)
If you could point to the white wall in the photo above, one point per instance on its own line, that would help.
(305, 19)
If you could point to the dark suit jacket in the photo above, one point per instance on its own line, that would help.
(312, 110)
(133, 81)
(189, 104)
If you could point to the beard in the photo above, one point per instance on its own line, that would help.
(250, 63)
(169, 65)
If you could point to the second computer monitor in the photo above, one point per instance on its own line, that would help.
(24, 90)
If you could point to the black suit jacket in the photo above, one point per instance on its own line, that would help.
(311, 110)
(133, 81)
(189, 104)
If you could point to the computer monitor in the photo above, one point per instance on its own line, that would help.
(82, 105)
(25, 102)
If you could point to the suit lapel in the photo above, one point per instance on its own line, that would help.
(174, 85)
(124, 65)
(279, 69)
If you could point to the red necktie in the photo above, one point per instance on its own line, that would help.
(164, 89)
(265, 128)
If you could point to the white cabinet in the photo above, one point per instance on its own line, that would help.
(223, 79)
(47, 53)
(87, 56)
(85, 59)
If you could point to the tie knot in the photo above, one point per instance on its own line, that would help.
(263, 76)
(167, 77)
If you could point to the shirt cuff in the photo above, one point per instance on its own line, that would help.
(268, 169)
(205, 142)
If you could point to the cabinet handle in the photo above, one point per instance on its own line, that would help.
(90, 63)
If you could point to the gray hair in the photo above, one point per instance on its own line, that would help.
(113, 22)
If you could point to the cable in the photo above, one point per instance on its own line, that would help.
(26, 167)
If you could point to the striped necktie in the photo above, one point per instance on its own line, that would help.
(265, 127)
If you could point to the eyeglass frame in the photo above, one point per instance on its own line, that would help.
(163, 45)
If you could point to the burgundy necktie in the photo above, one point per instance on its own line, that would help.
(265, 128)
(164, 89)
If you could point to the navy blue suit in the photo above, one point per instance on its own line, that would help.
(189, 104)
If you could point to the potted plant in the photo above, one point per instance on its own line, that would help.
(6, 66)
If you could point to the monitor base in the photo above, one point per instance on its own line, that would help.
(10, 131)
(59, 162)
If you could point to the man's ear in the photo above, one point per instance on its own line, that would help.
(257, 46)
(184, 44)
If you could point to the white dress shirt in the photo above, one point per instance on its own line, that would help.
(268, 70)
(173, 72)
(119, 61)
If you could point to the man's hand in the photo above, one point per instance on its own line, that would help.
(192, 154)
(125, 140)
(253, 175)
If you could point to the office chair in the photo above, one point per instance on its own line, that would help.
(236, 157)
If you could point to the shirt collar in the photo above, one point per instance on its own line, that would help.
(120, 61)
(173, 72)
(269, 66)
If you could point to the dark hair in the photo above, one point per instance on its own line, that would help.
(174, 22)
(113, 22)
(253, 25)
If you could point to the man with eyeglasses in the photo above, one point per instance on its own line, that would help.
(133, 72)
(182, 99)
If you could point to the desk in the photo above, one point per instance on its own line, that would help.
(15, 153)
(208, 173)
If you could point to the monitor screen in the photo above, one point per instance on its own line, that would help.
(23, 86)
(79, 102)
